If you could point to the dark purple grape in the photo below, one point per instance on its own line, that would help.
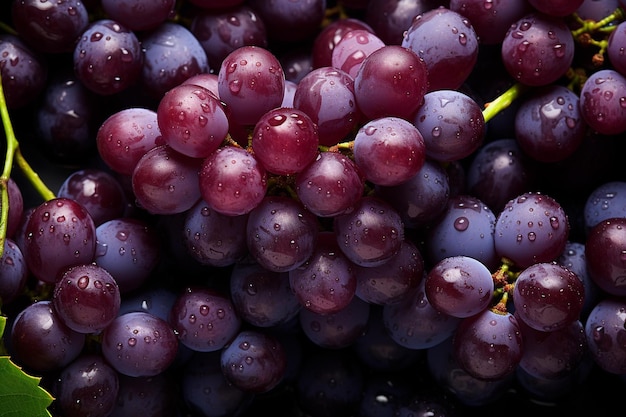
(232, 181)
(213, 238)
(615, 49)
(538, 49)
(371, 234)
(604, 252)
(16, 208)
(603, 101)
(88, 386)
(13, 271)
(488, 345)
(86, 298)
(605, 201)
(127, 12)
(50, 26)
(389, 151)
(125, 136)
(254, 291)
(254, 361)
(329, 36)
(41, 341)
(532, 228)
(290, 21)
(129, 249)
(24, 72)
(556, 7)
(151, 396)
(206, 80)
(391, 81)
(205, 320)
(350, 52)
(139, 344)
(447, 43)
(59, 233)
(459, 286)
(548, 297)
(216, 4)
(605, 329)
(165, 181)
(451, 123)
(172, 55)
(574, 259)
(108, 57)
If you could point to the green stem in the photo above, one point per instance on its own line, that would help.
(590, 26)
(503, 101)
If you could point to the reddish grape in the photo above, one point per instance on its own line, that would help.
(604, 252)
(152, 13)
(329, 36)
(603, 101)
(605, 331)
(13, 271)
(350, 52)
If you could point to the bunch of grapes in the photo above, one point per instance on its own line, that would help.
(314, 208)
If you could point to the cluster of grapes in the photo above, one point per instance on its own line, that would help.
(316, 208)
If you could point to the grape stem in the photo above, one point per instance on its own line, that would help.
(503, 101)
(605, 25)
(13, 154)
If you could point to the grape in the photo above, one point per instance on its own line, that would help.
(615, 48)
(25, 78)
(574, 259)
(389, 151)
(604, 252)
(87, 386)
(232, 181)
(191, 120)
(603, 102)
(13, 270)
(548, 297)
(41, 341)
(532, 228)
(16, 208)
(329, 36)
(538, 49)
(558, 7)
(251, 82)
(165, 181)
(488, 345)
(459, 286)
(391, 81)
(115, 51)
(59, 233)
(151, 396)
(139, 344)
(350, 52)
(86, 298)
(126, 12)
(604, 329)
(290, 20)
(604, 202)
(448, 45)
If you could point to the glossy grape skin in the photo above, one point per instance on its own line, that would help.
(16, 208)
(330, 185)
(232, 181)
(488, 345)
(281, 233)
(114, 50)
(290, 21)
(25, 78)
(448, 45)
(191, 120)
(389, 150)
(87, 386)
(574, 259)
(603, 101)
(615, 48)
(139, 344)
(605, 330)
(41, 341)
(605, 201)
(165, 181)
(59, 233)
(329, 36)
(557, 8)
(86, 298)
(451, 123)
(254, 361)
(548, 297)
(604, 250)
(213, 238)
(350, 52)
(13, 271)
(538, 49)
(126, 12)
(532, 228)
(251, 82)
(172, 55)
(459, 286)
(391, 81)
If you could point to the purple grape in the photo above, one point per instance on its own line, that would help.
(205, 320)
(391, 81)
(389, 151)
(350, 52)
(329, 36)
(615, 48)
(604, 202)
(191, 120)
(538, 49)
(605, 330)
(41, 341)
(139, 344)
(448, 45)
(488, 345)
(13, 271)
(557, 7)
(59, 233)
(88, 386)
(206, 80)
(86, 298)
(604, 252)
(254, 361)
(290, 21)
(112, 49)
(548, 297)
(532, 228)
(603, 101)
(151, 396)
(26, 75)
(232, 181)
(16, 208)
(251, 82)
(213, 238)
(126, 12)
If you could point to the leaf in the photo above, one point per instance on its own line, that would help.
(20, 393)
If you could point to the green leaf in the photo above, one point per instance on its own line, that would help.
(20, 393)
